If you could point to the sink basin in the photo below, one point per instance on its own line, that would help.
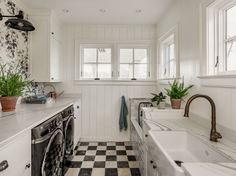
(176, 147)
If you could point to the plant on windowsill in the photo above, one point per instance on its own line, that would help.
(12, 85)
(160, 99)
(177, 92)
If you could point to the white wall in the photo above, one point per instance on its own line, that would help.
(101, 102)
(186, 13)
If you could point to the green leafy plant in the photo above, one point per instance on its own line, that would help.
(158, 98)
(177, 90)
(12, 82)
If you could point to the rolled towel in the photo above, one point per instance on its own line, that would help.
(123, 115)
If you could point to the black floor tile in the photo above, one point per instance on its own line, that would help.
(111, 158)
(85, 172)
(111, 172)
(123, 164)
(92, 147)
(111, 147)
(135, 172)
(102, 144)
(81, 152)
(84, 144)
(73, 164)
(101, 152)
(99, 164)
(131, 158)
(120, 143)
(128, 147)
(121, 152)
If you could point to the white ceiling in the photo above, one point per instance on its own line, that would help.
(117, 11)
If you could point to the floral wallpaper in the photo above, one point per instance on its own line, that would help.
(13, 43)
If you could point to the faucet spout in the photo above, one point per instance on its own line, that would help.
(214, 135)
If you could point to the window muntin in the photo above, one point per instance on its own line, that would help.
(134, 63)
(96, 62)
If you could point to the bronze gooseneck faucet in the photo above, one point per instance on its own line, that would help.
(214, 135)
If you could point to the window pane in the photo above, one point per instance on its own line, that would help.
(104, 70)
(140, 55)
(172, 69)
(90, 55)
(89, 71)
(126, 55)
(231, 22)
(140, 71)
(126, 71)
(104, 55)
(172, 52)
(231, 56)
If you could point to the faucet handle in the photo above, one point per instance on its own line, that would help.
(215, 136)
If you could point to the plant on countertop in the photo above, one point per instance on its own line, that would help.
(12, 85)
(177, 92)
(160, 99)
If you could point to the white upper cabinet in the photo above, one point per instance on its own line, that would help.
(46, 47)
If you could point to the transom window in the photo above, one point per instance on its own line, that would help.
(96, 62)
(134, 63)
(221, 26)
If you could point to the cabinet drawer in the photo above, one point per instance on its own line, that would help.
(17, 154)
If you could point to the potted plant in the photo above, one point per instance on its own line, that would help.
(12, 85)
(177, 92)
(160, 99)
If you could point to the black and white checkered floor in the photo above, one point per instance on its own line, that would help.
(104, 159)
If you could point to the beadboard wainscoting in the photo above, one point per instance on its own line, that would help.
(101, 99)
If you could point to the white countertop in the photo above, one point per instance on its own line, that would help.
(225, 146)
(28, 116)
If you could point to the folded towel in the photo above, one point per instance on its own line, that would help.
(123, 115)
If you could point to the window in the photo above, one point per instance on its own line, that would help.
(221, 37)
(96, 62)
(134, 63)
(168, 55)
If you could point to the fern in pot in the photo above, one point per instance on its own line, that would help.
(177, 92)
(160, 99)
(12, 85)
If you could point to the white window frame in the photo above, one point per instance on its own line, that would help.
(171, 37)
(82, 47)
(216, 37)
(135, 46)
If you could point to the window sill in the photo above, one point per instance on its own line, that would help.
(117, 82)
(223, 81)
(165, 81)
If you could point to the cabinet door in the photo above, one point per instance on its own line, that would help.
(17, 153)
(55, 60)
(78, 122)
(40, 49)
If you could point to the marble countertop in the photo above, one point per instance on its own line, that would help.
(224, 146)
(28, 116)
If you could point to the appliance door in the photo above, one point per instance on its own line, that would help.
(69, 137)
(53, 156)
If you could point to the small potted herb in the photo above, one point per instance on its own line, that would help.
(177, 92)
(160, 99)
(12, 85)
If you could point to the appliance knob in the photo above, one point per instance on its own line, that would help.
(146, 135)
(151, 162)
(154, 167)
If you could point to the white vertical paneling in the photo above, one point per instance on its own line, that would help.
(101, 103)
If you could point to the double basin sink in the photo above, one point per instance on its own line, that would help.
(177, 147)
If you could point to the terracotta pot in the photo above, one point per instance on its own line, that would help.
(176, 103)
(162, 105)
(8, 103)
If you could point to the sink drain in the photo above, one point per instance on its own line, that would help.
(179, 163)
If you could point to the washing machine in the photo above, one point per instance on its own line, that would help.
(48, 148)
(68, 130)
